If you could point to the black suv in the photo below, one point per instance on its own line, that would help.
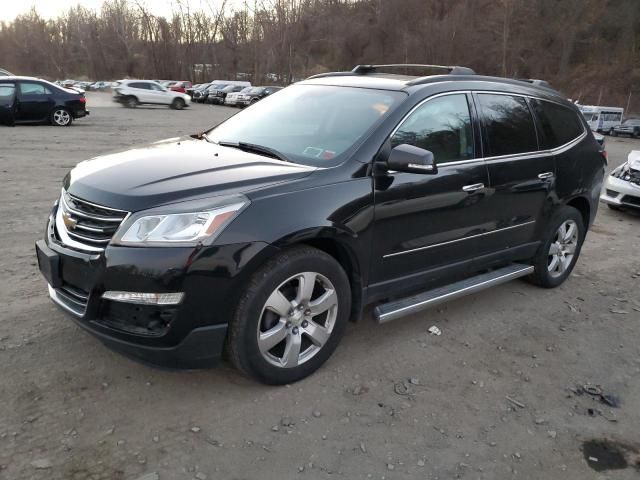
(263, 236)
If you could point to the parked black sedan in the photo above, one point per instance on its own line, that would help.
(32, 100)
(255, 94)
(629, 127)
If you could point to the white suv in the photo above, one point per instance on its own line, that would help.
(132, 93)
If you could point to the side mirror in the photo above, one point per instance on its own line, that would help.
(410, 159)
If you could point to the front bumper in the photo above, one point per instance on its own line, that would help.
(188, 335)
(621, 193)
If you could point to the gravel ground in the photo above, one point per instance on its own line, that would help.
(493, 397)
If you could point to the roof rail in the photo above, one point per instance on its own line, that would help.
(537, 82)
(452, 70)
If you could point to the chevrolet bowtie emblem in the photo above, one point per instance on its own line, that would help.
(69, 221)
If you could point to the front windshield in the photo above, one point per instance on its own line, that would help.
(310, 124)
(254, 90)
(632, 122)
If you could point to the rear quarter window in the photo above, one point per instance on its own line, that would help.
(508, 125)
(559, 125)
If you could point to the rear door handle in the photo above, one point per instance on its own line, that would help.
(545, 175)
(473, 188)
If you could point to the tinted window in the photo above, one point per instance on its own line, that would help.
(508, 124)
(441, 125)
(142, 85)
(7, 93)
(559, 124)
(28, 88)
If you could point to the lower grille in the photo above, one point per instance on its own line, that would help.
(71, 298)
(629, 200)
(612, 193)
(85, 225)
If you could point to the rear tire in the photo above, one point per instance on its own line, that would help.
(559, 252)
(613, 133)
(291, 317)
(177, 104)
(61, 117)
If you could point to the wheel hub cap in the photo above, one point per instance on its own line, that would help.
(297, 319)
(563, 248)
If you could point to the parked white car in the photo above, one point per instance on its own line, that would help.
(132, 93)
(623, 185)
(232, 98)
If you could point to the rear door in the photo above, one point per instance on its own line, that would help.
(521, 174)
(35, 101)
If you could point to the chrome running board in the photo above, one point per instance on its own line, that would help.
(406, 306)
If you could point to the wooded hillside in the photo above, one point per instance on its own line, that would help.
(589, 49)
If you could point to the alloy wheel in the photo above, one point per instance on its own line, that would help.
(563, 248)
(297, 319)
(61, 117)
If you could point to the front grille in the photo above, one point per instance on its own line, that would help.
(81, 223)
(630, 200)
(72, 298)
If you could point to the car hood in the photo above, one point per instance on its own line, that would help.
(634, 159)
(175, 170)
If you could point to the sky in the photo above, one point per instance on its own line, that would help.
(9, 9)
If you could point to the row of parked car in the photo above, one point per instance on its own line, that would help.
(230, 92)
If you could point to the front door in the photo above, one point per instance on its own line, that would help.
(7, 102)
(426, 221)
(34, 103)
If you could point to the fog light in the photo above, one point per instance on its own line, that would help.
(145, 298)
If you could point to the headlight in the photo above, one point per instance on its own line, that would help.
(621, 172)
(158, 228)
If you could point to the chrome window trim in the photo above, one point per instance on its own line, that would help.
(434, 245)
(515, 156)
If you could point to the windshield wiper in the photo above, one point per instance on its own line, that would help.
(253, 148)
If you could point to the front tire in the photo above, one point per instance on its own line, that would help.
(131, 102)
(559, 252)
(61, 117)
(291, 317)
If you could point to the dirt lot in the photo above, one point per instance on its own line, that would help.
(394, 402)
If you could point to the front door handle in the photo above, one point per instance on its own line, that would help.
(545, 175)
(473, 188)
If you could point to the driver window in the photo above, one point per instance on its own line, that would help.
(441, 125)
(7, 94)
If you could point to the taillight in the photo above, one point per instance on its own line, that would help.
(83, 100)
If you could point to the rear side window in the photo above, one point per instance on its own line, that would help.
(508, 125)
(142, 85)
(559, 124)
(441, 125)
(28, 88)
